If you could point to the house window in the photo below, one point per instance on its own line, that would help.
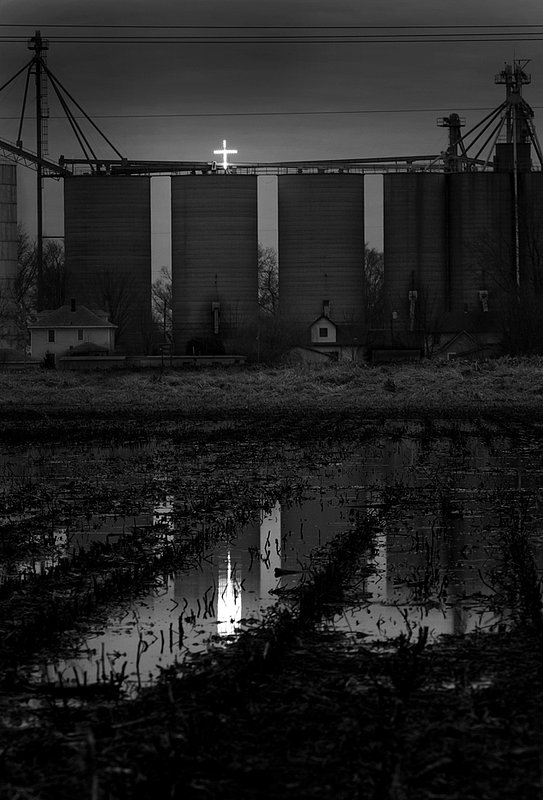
(51, 336)
(80, 334)
(323, 333)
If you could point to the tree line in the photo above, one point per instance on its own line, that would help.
(19, 302)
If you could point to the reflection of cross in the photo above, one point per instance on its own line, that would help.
(224, 153)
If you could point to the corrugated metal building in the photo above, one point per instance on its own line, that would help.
(417, 279)
(530, 189)
(107, 231)
(448, 248)
(480, 220)
(8, 251)
(214, 263)
(321, 251)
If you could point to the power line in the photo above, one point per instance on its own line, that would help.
(348, 40)
(273, 27)
(275, 113)
(339, 36)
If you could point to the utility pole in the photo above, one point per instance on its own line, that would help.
(39, 45)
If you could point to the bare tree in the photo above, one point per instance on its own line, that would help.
(517, 300)
(53, 272)
(373, 287)
(427, 319)
(8, 316)
(161, 299)
(114, 293)
(25, 282)
(268, 279)
(18, 301)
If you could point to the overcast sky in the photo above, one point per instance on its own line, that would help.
(180, 100)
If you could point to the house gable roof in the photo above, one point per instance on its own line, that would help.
(348, 333)
(456, 338)
(324, 318)
(64, 317)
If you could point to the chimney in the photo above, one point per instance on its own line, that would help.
(72, 304)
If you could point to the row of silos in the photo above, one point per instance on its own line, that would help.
(449, 242)
(454, 255)
(215, 254)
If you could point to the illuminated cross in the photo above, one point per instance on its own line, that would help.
(224, 153)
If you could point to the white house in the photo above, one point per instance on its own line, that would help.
(61, 331)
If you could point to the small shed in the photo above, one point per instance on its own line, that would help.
(337, 342)
(464, 345)
(58, 332)
(323, 331)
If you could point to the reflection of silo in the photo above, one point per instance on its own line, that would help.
(214, 262)
(321, 248)
(108, 251)
(416, 275)
(480, 246)
(8, 251)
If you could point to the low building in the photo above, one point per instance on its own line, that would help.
(59, 332)
(341, 342)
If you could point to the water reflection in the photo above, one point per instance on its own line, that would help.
(437, 506)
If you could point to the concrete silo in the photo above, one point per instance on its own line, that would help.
(321, 252)
(481, 248)
(107, 233)
(8, 252)
(530, 191)
(417, 279)
(447, 250)
(214, 263)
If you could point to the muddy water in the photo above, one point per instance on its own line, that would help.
(440, 507)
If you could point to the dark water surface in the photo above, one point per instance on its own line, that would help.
(441, 506)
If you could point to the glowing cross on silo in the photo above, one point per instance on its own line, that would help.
(224, 153)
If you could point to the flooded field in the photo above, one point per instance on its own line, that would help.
(154, 550)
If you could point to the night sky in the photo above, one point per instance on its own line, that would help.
(281, 100)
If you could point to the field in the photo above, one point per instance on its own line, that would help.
(455, 389)
(389, 516)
